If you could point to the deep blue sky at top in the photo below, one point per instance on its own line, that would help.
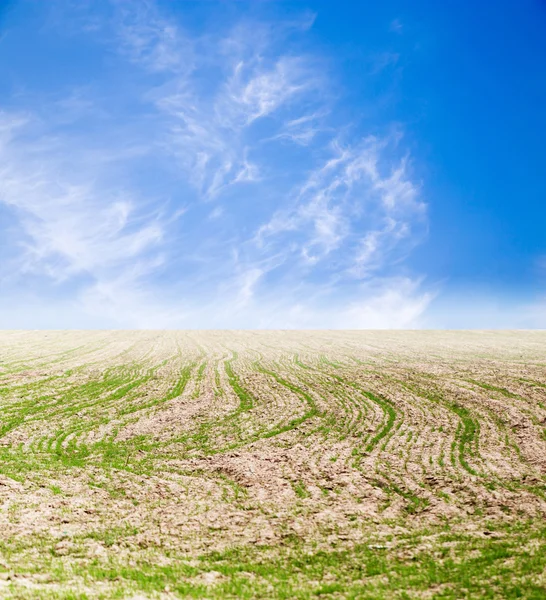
(456, 89)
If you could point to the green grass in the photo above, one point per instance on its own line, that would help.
(441, 562)
(246, 399)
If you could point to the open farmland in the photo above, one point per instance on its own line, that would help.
(272, 464)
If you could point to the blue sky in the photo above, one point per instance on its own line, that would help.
(272, 164)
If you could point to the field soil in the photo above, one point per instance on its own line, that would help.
(163, 464)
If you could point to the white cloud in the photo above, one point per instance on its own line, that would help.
(70, 225)
(398, 304)
(303, 130)
(153, 41)
(256, 90)
(208, 125)
(350, 203)
(247, 284)
(217, 115)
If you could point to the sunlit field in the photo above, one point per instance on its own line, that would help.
(272, 464)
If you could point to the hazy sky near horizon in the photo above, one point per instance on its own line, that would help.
(290, 164)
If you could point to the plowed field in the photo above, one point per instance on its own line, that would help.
(272, 464)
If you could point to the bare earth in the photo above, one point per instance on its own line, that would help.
(290, 464)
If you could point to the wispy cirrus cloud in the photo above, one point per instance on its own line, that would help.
(303, 130)
(112, 188)
(354, 203)
(256, 90)
(208, 123)
(70, 225)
